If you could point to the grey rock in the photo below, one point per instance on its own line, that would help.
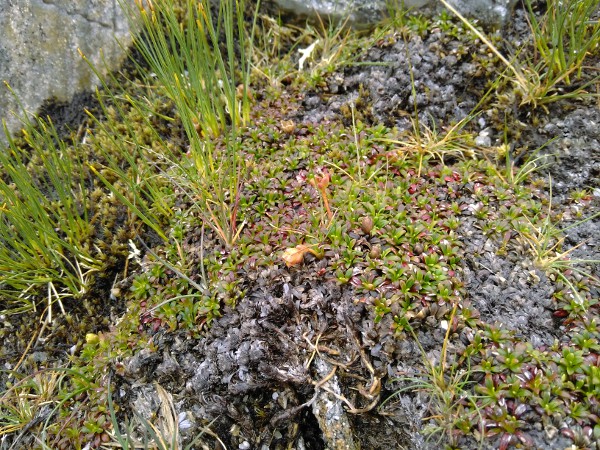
(147, 401)
(495, 13)
(363, 13)
(39, 55)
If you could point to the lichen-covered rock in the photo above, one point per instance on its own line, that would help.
(39, 55)
(362, 13)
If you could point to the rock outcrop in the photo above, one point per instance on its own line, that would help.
(362, 13)
(39, 55)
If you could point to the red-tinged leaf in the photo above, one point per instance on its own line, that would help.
(561, 313)
(355, 281)
(520, 410)
(505, 441)
(525, 439)
(568, 433)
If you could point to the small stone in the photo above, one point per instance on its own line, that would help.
(115, 293)
(550, 432)
(483, 141)
(40, 357)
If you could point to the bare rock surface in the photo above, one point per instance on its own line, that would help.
(362, 13)
(39, 49)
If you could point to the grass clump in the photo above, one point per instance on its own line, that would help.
(208, 84)
(546, 241)
(46, 229)
(564, 37)
(202, 65)
(452, 403)
(133, 152)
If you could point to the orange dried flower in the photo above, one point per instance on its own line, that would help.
(294, 256)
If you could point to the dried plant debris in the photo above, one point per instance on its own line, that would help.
(292, 351)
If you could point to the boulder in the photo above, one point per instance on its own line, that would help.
(39, 55)
(363, 13)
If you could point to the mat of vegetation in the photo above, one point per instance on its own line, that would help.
(262, 235)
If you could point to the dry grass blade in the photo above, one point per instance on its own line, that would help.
(428, 142)
(26, 404)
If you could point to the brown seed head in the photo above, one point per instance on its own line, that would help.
(366, 224)
(375, 251)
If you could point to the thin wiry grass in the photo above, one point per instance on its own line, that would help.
(22, 403)
(546, 240)
(203, 65)
(564, 37)
(448, 389)
(208, 85)
(163, 436)
(323, 46)
(45, 228)
(548, 79)
(272, 57)
(131, 174)
(514, 175)
(329, 45)
(30, 403)
(429, 142)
